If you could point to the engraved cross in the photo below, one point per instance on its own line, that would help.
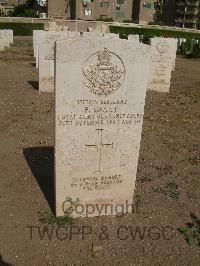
(99, 146)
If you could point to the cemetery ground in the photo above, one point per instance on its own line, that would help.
(167, 186)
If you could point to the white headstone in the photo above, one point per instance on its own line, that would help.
(47, 36)
(100, 95)
(11, 36)
(134, 38)
(103, 28)
(36, 34)
(46, 60)
(100, 28)
(163, 56)
(4, 34)
(51, 26)
(39, 37)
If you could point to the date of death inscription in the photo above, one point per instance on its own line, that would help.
(99, 113)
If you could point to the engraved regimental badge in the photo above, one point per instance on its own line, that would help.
(162, 47)
(104, 72)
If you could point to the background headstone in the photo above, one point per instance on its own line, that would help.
(11, 36)
(111, 35)
(134, 38)
(4, 34)
(46, 60)
(52, 26)
(100, 28)
(103, 28)
(163, 56)
(47, 36)
(36, 34)
(92, 34)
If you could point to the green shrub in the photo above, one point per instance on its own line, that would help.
(189, 48)
(196, 50)
(22, 29)
(22, 11)
(25, 10)
(186, 48)
(192, 230)
(150, 33)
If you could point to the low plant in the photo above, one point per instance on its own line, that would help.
(144, 178)
(139, 199)
(192, 230)
(170, 189)
(47, 217)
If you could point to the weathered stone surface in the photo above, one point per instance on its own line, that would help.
(99, 105)
(163, 56)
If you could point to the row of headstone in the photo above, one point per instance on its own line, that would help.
(44, 43)
(6, 38)
(163, 56)
(100, 83)
(52, 26)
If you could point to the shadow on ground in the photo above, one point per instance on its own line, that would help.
(41, 163)
(34, 84)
